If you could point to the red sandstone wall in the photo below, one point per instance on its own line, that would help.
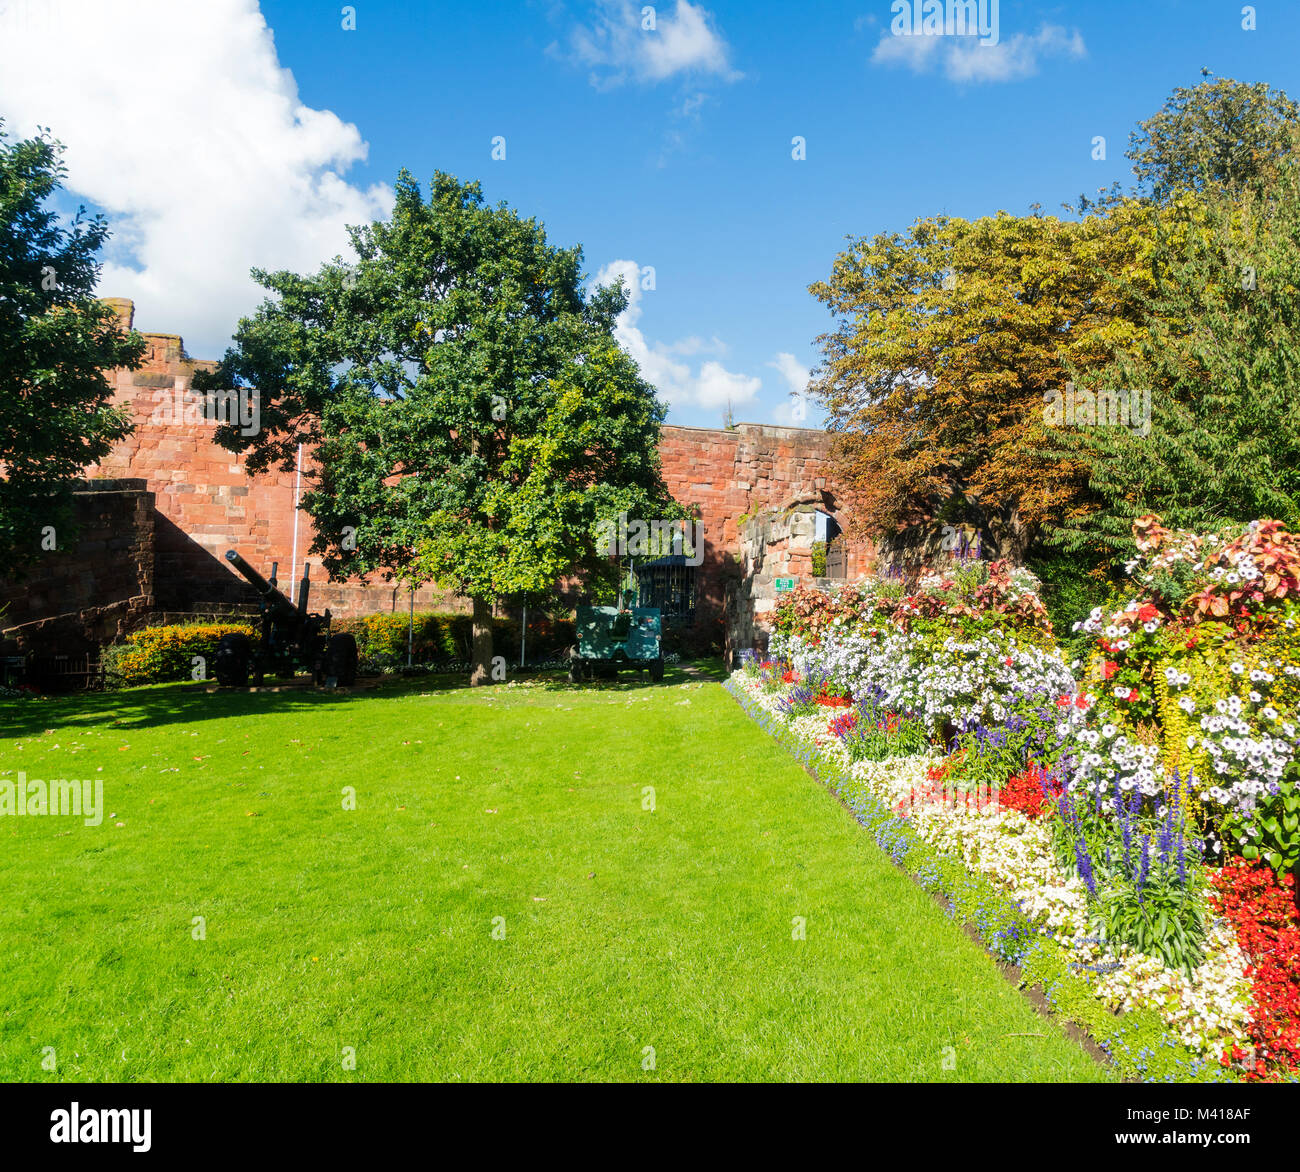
(730, 474)
(734, 473)
(207, 503)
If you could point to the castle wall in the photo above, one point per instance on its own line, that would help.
(94, 584)
(203, 502)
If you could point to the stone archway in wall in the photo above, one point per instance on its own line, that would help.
(776, 550)
(830, 547)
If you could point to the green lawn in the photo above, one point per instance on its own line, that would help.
(521, 807)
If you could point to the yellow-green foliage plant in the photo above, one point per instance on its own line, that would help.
(156, 655)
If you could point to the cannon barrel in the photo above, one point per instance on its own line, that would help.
(274, 600)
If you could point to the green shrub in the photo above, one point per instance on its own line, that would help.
(1070, 589)
(156, 655)
(449, 638)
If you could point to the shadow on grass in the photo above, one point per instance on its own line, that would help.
(186, 703)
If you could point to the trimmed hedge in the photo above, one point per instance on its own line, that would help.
(156, 655)
(448, 638)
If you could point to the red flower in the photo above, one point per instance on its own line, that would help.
(1146, 613)
(1262, 913)
(1081, 701)
(1109, 668)
(842, 725)
(1007, 661)
(1030, 792)
(834, 701)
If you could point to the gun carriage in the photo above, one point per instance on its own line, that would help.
(290, 640)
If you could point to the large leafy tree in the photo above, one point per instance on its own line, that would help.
(947, 339)
(1221, 134)
(56, 342)
(1220, 354)
(470, 415)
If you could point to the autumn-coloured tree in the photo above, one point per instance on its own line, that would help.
(948, 339)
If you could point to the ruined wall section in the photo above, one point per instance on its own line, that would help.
(95, 585)
(208, 503)
(735, 475)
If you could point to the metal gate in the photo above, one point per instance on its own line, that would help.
(65, 673)
(837, 559)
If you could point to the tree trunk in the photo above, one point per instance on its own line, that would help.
(481, 658)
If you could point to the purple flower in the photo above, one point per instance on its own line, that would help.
(1083, 861)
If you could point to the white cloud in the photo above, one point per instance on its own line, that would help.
(792, 370)
(617, 47)
(795, 409)
(718, 387)
(967, 59)
(715, 346)
(181, 123)
(712, 386)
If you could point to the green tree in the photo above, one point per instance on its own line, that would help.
(471, 417)
(1220, 358)
(56, 342)
(1224, 133)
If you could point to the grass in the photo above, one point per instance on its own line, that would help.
(500, 905)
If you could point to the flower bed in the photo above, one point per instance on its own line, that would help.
(1093, 814)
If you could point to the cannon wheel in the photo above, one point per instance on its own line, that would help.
(231, 662)
(341, 659)
(657, 669)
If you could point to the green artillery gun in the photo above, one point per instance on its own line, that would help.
(290, 640)
(610, 640)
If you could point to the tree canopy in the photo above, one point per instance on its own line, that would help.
(56, 342)
(1220, 352)
(1221, 134)
(471, 417)
(953, 339)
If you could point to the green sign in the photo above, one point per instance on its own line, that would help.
(783, 584)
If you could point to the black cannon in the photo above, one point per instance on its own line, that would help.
(291, 639)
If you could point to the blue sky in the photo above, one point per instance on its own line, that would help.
(669, 148)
